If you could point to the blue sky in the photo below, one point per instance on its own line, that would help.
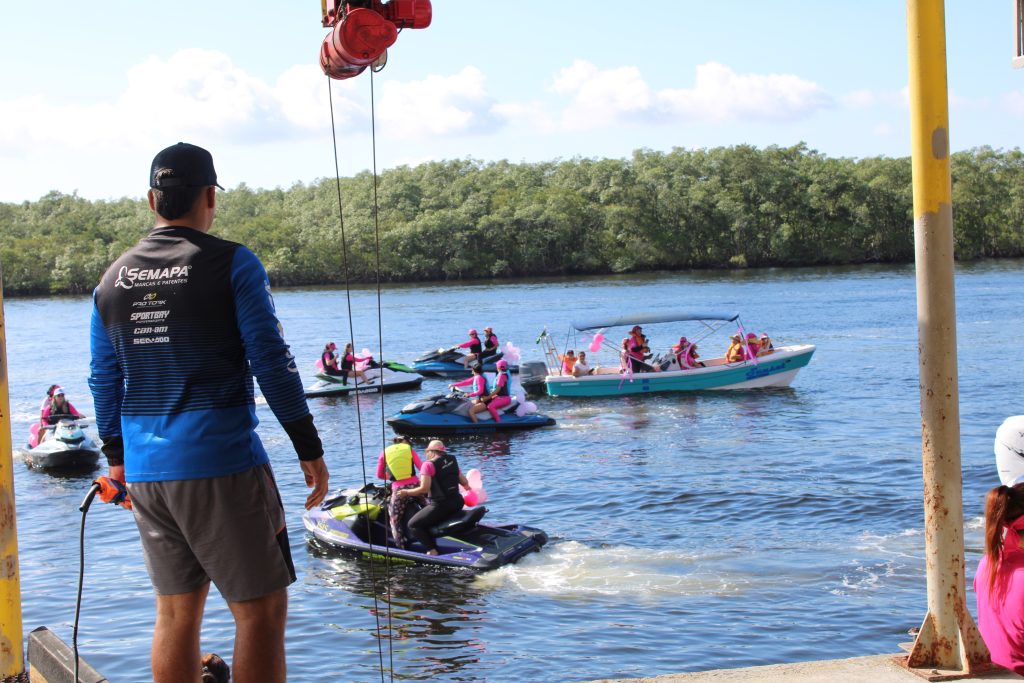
(93, 90)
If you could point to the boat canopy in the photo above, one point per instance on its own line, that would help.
(651, 318)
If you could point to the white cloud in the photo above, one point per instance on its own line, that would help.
(196, 94)
(437, 106)
(604, 97)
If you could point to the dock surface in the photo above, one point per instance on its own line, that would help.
(873, 669)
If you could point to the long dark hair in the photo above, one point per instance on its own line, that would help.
(1003, 505)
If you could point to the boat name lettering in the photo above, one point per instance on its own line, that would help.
(764, 371)
(155, 316)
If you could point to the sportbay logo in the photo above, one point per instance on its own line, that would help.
(128, 278)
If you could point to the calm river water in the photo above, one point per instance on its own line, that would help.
(688, 532)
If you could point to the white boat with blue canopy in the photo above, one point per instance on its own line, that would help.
(668, 368)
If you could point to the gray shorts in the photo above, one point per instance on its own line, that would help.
(229, 530)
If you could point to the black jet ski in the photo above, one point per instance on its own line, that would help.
(68, 448)
(448, 414)
(448, 363)
(386, 376)
(356, 520)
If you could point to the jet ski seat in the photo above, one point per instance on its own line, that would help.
(464, 520)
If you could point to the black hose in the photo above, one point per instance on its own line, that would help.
(84, 507)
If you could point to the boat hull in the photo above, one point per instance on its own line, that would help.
(85, 457)
(419, 424)
(481, 548)
(327, 385)
(777, 369)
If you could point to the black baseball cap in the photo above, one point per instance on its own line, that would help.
(189, 166)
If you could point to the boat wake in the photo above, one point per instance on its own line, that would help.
(573, 570)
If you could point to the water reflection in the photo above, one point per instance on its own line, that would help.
(427, 620)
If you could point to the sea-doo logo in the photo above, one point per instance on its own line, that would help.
(127, 278)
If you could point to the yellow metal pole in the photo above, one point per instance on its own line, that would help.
(12, 660)
(948, 639)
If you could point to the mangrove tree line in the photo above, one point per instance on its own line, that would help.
(732, 207)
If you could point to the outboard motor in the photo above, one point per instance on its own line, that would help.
(1009, 449)
(531, 377)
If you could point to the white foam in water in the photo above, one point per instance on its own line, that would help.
(573, 570)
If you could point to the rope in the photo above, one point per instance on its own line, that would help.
(380, 336)
(359, 414)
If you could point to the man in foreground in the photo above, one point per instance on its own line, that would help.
(181, 323)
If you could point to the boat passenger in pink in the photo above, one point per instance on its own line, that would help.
(999, 583)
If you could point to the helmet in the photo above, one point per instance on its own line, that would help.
(502, 365)
(1009, 449)
(472, 331)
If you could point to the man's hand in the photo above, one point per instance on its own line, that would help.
(315, 472)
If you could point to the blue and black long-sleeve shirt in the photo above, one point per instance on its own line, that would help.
(180, 325)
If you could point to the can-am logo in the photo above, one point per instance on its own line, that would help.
(148, 277)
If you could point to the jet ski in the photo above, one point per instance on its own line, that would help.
(448, 363)
(386, 376)
(356, 520)
(68, 448)
(448, 414)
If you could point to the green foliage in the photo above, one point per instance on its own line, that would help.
(734, 207)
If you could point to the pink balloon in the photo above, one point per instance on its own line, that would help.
(595, 345)
(470, 498)
(320, 365)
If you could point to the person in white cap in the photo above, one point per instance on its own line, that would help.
(440, 478)
(56, 407)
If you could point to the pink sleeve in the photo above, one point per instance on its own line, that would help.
(464, 383)
(381, 466)
(416, 460)
(465, 345)
(502, 380)
(72, 410)
(428, 469)
(45, 412)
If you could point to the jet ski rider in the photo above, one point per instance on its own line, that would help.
(490, 344)
(55, 408)
(399, 462)
(330, 361)
(474, 347)
(476, 380)
(440, 477)
(500, 396)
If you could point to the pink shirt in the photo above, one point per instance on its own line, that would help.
(1001, 609)
(382, 471)
(477, 381)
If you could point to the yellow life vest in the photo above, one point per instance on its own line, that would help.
(399, 460)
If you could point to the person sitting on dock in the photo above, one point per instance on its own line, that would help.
(765, 345)
(581, 367)
(476, 380)
(398, 463)
(568, 361)
(491, 344)
(329, 361)
(440, 478)
(999, 582)
(474, 345)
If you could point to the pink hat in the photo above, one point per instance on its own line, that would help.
(751, 335)
(682, 340)
(332, 346)
(764, 335)
(502, 364)
(472, 331)
(436, 445)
